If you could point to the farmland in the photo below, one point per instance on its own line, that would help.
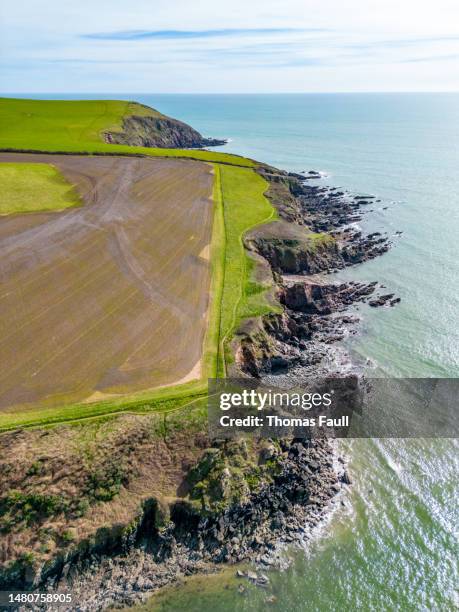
(231, 295)
(129, 303)
(114, 294)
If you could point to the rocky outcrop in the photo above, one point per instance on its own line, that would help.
(313, 319)
(315, 232)
(292, 249)
(159, 131)
(313, 235)
(384, 300)
(323, 299)
(244, 503)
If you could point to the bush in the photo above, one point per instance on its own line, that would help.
(28, 508)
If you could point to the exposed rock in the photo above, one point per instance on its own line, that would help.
(293, 249)
(152, 129)
(345, 478)
(191, 542)
(381, 300)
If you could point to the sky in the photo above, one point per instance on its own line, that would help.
(236, 46)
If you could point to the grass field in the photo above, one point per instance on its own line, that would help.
(245, 207)
(34, 187)
(69, 126)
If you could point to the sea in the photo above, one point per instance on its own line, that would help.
(393, 542)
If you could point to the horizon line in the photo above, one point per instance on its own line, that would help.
(130, 96)
(204, 93)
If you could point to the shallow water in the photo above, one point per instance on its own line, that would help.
(393, 546)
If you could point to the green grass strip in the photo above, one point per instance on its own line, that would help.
(245, 207)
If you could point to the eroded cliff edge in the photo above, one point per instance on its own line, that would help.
(314, 236)
(146, 127)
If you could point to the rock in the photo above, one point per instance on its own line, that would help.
(267, 452)
(381, 300)
(279, 362)
(266, 560)
(263, 579)
(345, 478)
(159, 130)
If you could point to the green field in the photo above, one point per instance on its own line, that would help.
(240, 204)
(59, 126)
(34, 187)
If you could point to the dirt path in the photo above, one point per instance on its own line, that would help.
(110, 297)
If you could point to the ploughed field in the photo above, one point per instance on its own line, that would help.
(110, 297)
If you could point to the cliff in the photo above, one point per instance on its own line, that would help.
(312, 237)
(146, 127)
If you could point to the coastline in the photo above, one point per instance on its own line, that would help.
(302, 341)
(310, 475)
(240, 502)
(397, 520)
(254, 534)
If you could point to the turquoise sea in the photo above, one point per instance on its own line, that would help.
(394, 545)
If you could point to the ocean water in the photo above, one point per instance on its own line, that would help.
(394, 544)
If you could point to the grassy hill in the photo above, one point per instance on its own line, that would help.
(51, 124)
(78, 126)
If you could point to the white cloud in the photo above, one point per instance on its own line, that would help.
(359, 45)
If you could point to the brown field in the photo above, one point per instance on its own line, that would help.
(110, 297)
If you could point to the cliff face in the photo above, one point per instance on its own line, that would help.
(159, 131)
(313, 235)
(291, 249)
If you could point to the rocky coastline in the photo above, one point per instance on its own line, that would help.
(246, 502)
(301, 341)
(284, 511)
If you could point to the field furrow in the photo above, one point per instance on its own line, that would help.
(111, 296)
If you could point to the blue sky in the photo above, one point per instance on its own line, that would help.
(238, 46)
